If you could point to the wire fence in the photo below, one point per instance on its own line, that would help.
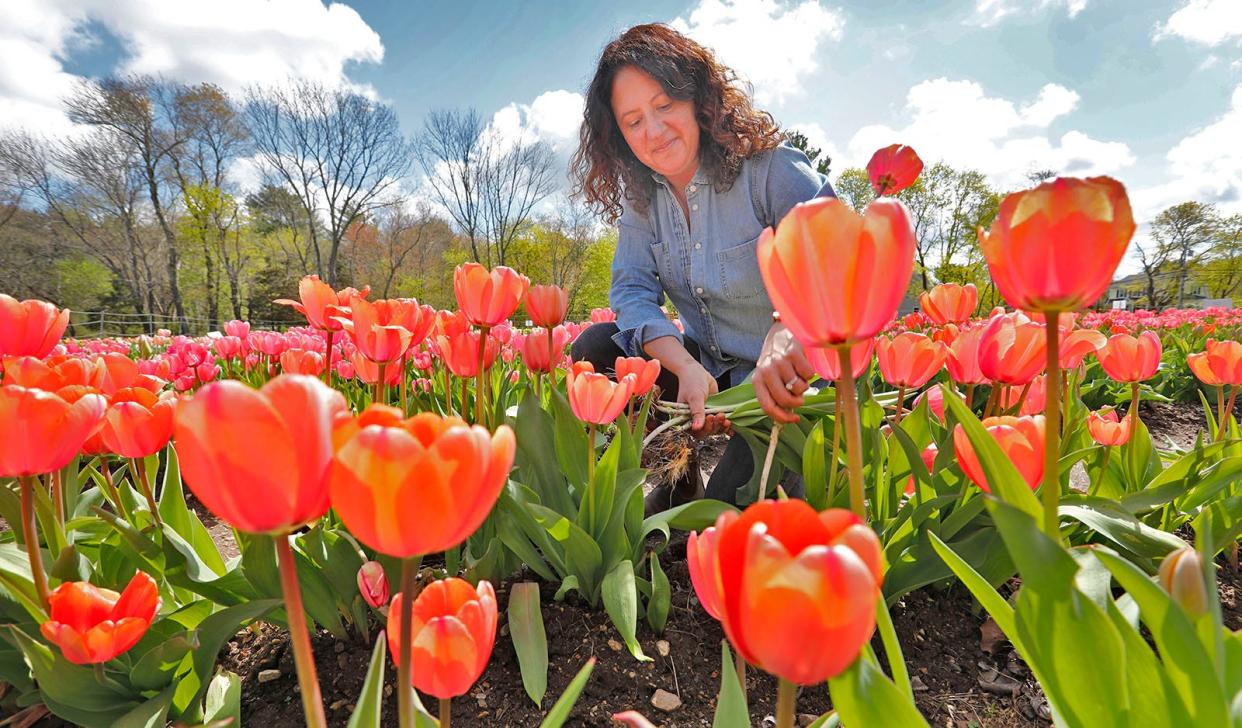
(99, 324)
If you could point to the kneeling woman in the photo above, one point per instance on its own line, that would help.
(674, 154)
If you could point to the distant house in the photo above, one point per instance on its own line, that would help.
(1130, 292)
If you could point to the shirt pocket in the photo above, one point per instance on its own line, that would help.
(739, 270)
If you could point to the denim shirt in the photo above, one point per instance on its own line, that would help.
(709, 269)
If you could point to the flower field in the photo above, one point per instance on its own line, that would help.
(417, 517)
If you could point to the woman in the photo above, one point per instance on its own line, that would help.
(673, 152)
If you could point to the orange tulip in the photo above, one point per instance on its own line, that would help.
(368, 372)
(138, 423)
(963, 358)
(488, 297)
(40, 432)
(821, 572)
(1012, 349)
(1056, 247)
(30, 328)
(92, 625)
(547, 305)
(893, 168)
(1223, 359)
(909, 359)
(452, 635)
(420, 485)
(460, 352)
(603, 315)
(373, 584)
(376, 331)
(827, 363)
(534, 349)
(1181, 576)
(1036, 397)
(835, 276)
(595, 398)
(258, 458)
(1201, 367)
(301, 361)
(928, 456)
(1077, 345)
(322, 306)
(645, 372)
(1021, 439)
(949, 303)
(1127, 358)
(1106, 429)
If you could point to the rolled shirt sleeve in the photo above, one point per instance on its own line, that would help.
(636, 292)
(791, 179)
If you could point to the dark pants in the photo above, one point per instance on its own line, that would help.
(736, 466)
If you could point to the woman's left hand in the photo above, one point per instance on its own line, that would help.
(781, 375)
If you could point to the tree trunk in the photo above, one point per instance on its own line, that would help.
(213, 302)
(174, 260)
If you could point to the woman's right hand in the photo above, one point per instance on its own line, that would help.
(694, 386)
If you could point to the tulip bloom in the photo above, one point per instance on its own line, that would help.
(1224, 360)
(1201, 367)
(1012, 349)
(420, 485)
(1077, 345)
(547, 305)
(1181, 575)
(451, 636)
(374, 332)
(488, 297)
(301, 361)
(40, 432)
(821, 572)
(320, 304)
(909, 360)
(949, 303)
(92, 625)
(368, 372)
(258, 458)
(373, 584)
(460, 352)
(138, 423)
(645, 372)
(535, 353)
(1056, 247)
(596, 399)
(603, 315)
(963, 357)
(1127, 358)
(827, 363)
(1106, 429)
(893, 168)
(31, 327)
(1021, 439)
(835, 276)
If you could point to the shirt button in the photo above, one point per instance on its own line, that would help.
(698, 246)
(695, 206)
(702, 309)
(694, 188)
(714, 347)
(699, 291)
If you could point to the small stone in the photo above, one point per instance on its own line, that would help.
(504, 630)
(917, 684)
(387, 691)
(805, 719)
(665, 701)
(268, 675)
(663, 647)
(340, 647)
(338, 704)
(614, 645)
(342, 661)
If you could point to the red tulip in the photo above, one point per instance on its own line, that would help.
(1127, 358)
(909, 359)
(40, 432)
(949, 303)
(645, 372)
(30, 328)
(893, 168)
(452, 635)
(301, 361)
(1201, 367)
(821, 572)
(373, 584)
(827, 363)
(595, 398)
(1012, 349)
(488, 297)
(603, 315)
(534, 349)
(258, 458)
(1056, 247)
(547, 305)
(374, 329)
(935, 401)
(963, 359)
(1223, 359)
(1036, 396)
(1106, 429)
(420, 485)
(92, 625)
(368, 372)
(835, 276)
(320, 304)
(460, 352)
(1077, 345)
(1021, 439)
(138, 423)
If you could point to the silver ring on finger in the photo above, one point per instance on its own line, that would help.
(789, 386)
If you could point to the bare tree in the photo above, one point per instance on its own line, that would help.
(134, 110)
(1154, 260)
(397, 239)
(515, 180)
(1182, 232)
(341, 153)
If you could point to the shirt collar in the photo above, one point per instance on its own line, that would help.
(700, 177)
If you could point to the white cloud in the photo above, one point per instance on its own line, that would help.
(1206, 165)
(229, 42)
(991, 12)
(553, 117)
(1209, 22)
(955, 121)
(817, 138)
(771, 45)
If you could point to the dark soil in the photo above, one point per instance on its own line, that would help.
(1174, 423)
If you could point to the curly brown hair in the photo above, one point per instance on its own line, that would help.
(606, 171)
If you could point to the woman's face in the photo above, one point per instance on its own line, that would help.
(661, 131)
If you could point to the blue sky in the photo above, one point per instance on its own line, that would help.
(1149, 91)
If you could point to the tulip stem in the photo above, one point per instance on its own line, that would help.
(1026, 390)
(1135, 394)
(463, 399)
(832, 466)
(405, 683)
(786, 698)
(57, 491)
(140, 469)
(480, 401)
(853, 432)
(299, 638)
(446, 712)
(1233, 398)
(1220, 412)
(1052, 424)
(767, 460)
(30, 533)
(901, 399)
(327, 370)
(111, 489)
(970, 396)
(589, 493)
(405, 390)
